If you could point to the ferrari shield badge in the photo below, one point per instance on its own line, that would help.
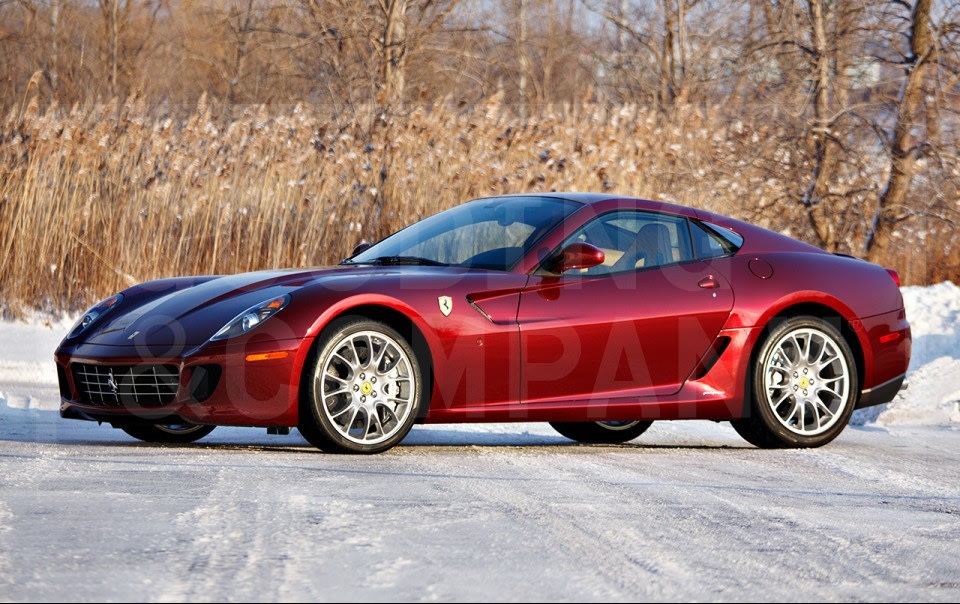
(446, 305)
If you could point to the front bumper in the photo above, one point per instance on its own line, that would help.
(217, 384)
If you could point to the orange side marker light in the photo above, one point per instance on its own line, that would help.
(267, 356)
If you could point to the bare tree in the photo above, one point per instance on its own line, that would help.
(660, 38)
(116, 17)
(231, 39)
(405, 25)
(905, 146)
(393, 48)
(240, 19)
(127, 28)
(824, 140)
(523, 61)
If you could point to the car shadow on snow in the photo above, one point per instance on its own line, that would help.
(43, 426)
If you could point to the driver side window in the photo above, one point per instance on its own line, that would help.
(633, 240)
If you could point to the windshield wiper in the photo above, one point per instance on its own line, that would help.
(400, 260)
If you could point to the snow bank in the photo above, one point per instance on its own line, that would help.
(931, 395)
(934, 315)
(28, 375)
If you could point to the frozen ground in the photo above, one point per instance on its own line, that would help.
(497, 512)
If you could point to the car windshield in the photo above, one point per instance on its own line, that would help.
(493, 233)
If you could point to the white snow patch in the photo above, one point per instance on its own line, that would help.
(28, 374)
(6, 524)
(931, 397)
(931, 393)
(934, 315)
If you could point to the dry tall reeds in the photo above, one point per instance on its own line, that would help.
(93, 199)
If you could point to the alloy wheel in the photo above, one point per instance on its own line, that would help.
(806, 381)
(366, 387)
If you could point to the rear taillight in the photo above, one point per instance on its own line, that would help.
(895, 275)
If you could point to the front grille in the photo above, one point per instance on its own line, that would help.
(123, 385)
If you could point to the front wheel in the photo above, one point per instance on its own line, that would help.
(168, 434)
(606, 433)
(805, 386)
(364, 389)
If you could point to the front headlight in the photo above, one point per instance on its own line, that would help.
(95, 312)
(250, 318)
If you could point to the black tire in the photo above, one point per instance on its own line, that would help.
(762, 427)
(316, 424)
(159, 433)
(601, 433)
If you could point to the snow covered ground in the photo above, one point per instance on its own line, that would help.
(501, 512)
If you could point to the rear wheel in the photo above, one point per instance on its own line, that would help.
(364, 391)
(169, 434)
(601, 432)
(805, 386)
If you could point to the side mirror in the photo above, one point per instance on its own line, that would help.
(577, 256)
(361, 247)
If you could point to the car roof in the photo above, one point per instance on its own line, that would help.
(598, 198)
(586, 198)
(756, 239)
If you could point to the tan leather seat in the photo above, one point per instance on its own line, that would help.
(652, 246)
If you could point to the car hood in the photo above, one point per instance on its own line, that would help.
(178, 313)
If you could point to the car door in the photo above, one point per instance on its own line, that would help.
(634, 326)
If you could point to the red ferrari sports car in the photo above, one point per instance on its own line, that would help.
(596, 313)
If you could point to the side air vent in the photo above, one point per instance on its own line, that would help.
(710, 358)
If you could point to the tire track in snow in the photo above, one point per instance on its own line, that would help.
(674, 519)
(559, 517)
(227, 556)
(283, 533)
(886, 472)
(812, 545)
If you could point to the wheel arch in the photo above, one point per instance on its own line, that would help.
(838, 315)
(387, 310)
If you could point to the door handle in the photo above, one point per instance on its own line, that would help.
(709, 283)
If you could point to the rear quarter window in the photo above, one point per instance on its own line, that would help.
(711, 240)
